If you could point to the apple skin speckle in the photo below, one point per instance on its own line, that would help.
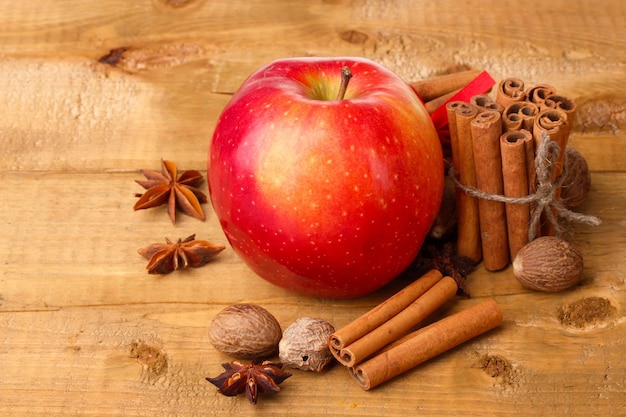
(328, 198)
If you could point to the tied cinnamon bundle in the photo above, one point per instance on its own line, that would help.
(516, 181)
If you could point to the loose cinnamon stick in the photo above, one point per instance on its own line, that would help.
(426, 343)
(539, 93)
(400, 324)
(515, 147)
(460, 115)
(519, 115)
(486, 132)
(432, 88)
(437, 102)
(484, 102)
(383, 312)
(510, 90)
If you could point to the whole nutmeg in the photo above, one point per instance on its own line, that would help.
(245, 331)
(576, 180)
(305, 344)
(548, 264)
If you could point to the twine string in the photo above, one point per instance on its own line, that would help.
(544, 198)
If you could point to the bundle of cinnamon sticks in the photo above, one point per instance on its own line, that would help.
(384, 342)
(493, 147)
(493, 150)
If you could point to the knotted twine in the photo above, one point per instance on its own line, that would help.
(544, 199)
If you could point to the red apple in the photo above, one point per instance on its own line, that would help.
(323, 195)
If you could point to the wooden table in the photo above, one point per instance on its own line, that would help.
(85, 331)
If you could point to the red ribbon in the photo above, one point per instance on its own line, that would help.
(479, 85)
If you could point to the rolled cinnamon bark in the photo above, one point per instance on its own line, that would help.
(514, 148)
(383, 312)
(559, 102)
(432, 88)
(484, 102)
(426, 343)
(519, 115)
(460, 115)
(486, 131)
(539, 93)
(566, 105)
(554, 122)
(437, 102)
(400, 324)
(510, 90)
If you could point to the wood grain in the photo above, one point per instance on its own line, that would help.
(85, 331)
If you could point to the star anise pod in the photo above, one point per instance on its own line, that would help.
(167, 257)
(179, 192)
(255, 378)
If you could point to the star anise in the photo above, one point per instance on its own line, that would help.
(167, 257)
(255, 378)
(179, 192)
(445, 259)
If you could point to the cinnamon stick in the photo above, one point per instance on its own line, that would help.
(539, 93)
(432, 88)
(484, 102)
(486, 131)
(460, 115)
(515, 148)
(554, 122)
(426, 343)
(566, 105)
(400, 324)
(559, 102)
(383, 312)
(519, 115)
(510, 90)
(437, 102)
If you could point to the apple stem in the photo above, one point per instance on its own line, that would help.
(346, 74)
